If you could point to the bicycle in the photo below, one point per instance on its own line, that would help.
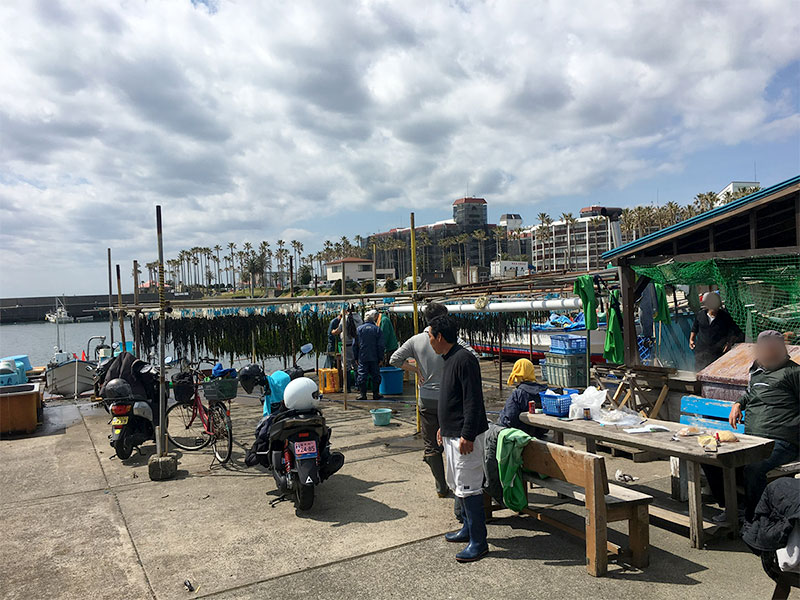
(191, 425)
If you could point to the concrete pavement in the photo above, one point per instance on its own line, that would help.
(77, 523)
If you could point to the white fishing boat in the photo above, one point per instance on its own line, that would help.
(60, 314)
(70, 377)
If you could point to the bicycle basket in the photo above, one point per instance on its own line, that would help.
(216, 390)
(183, 386)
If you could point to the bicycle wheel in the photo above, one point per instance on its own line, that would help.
(185, 427)
(223, 433)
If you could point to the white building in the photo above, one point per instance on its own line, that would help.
(355, 269)
(735, 186)
(508, 268)
(510, 221)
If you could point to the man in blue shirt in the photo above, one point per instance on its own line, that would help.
(368, 351)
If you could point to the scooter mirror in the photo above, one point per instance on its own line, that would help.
(306, 348)
(168, 360)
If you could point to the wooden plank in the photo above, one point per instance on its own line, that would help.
(706, 407)
(695, 505)
(540, 516)
(659, 401)
(680, 519)
(747, 450)
(616, 493)
(596, 523)
(731, 501)
(627, 396)
(714, 424)
(619, 450)
(561, 462)
(639, 537)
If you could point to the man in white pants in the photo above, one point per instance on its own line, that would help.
(462, 429)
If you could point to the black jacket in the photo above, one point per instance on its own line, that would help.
(141, 376)
(517, 403)
(777, 513)
(772, 402)
(461, 410)
(713, 336)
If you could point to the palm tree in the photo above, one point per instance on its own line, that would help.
(232, 247)
(480, 236)
(498, 233)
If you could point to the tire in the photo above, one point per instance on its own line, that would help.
(185, 428)
(223, 430)
(123, 446)
(304, 496)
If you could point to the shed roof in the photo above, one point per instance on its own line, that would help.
(707, 218)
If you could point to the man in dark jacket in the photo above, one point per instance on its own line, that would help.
(333, 344)
(714, 332)
(368, 350)
(772, 403)
(462, 432)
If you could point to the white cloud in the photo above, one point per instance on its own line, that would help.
(260, 121)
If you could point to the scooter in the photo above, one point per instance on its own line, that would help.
(132, 414)
(293, 440)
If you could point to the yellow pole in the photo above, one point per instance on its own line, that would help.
(416, 316)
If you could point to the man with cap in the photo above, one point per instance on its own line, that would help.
(368, 350)
(772, 403)
(714, 332)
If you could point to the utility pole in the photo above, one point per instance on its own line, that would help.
(416, 316)
(137, 312)
(121, 312)
(291, 276)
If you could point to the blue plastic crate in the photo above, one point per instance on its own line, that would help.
(555, 405)
(567, 344)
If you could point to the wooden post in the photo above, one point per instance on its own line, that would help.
(136, 331)
(627, 281)
(416, 315)
(374, 268)
(500, 350)
(345, 370)
(731, 501)
(121, 312)
(110, 292)
(161, 429)
(695, 504)
(291, 276)
(596, 522)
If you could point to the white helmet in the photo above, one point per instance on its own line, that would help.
(301, 394)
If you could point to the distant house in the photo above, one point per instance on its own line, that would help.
(152, 286)
(354, 269)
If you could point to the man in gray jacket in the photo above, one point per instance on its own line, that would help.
(428, 366)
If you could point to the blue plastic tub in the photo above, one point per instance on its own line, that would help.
(381, 416)
(567, 344)
(391, 381)
(22, 358)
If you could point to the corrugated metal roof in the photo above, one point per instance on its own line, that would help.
(708, 215)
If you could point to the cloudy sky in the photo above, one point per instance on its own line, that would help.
(313, 120)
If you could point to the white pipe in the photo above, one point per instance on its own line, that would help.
(515, 306)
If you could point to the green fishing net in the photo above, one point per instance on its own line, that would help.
(760, 292)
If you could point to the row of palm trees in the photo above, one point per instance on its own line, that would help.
(241, 267)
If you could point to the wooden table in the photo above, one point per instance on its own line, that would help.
(729, 456)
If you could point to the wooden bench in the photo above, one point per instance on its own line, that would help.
(708, 413)
(582, 477)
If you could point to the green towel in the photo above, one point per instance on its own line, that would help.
(614, 350)
(584, 288)
(389, 338)
(662, 305)
(510, 444)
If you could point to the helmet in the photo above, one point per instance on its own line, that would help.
(251, 376)
(116, 389)
(301, 394)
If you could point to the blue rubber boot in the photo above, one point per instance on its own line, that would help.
(476, 518)
(462, 535)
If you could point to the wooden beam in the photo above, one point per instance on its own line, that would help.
(753, 226)
(695, 505)
(797, 219)
(627, 282)
(659, 401)
(745, 253)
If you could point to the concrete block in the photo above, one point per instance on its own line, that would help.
(162, 467)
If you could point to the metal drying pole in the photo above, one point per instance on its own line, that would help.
(161, 431)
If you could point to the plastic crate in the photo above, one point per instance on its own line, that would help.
(555, 405)
(567, 344)
(566, 370)
(217, 390)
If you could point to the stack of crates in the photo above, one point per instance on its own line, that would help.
(566, 361)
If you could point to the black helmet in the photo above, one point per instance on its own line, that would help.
(116, 389)
(251, 376)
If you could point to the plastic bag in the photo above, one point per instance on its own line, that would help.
(622, 416)
(591, 398)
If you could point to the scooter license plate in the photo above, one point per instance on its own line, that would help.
(305, 449)
(119, 421)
